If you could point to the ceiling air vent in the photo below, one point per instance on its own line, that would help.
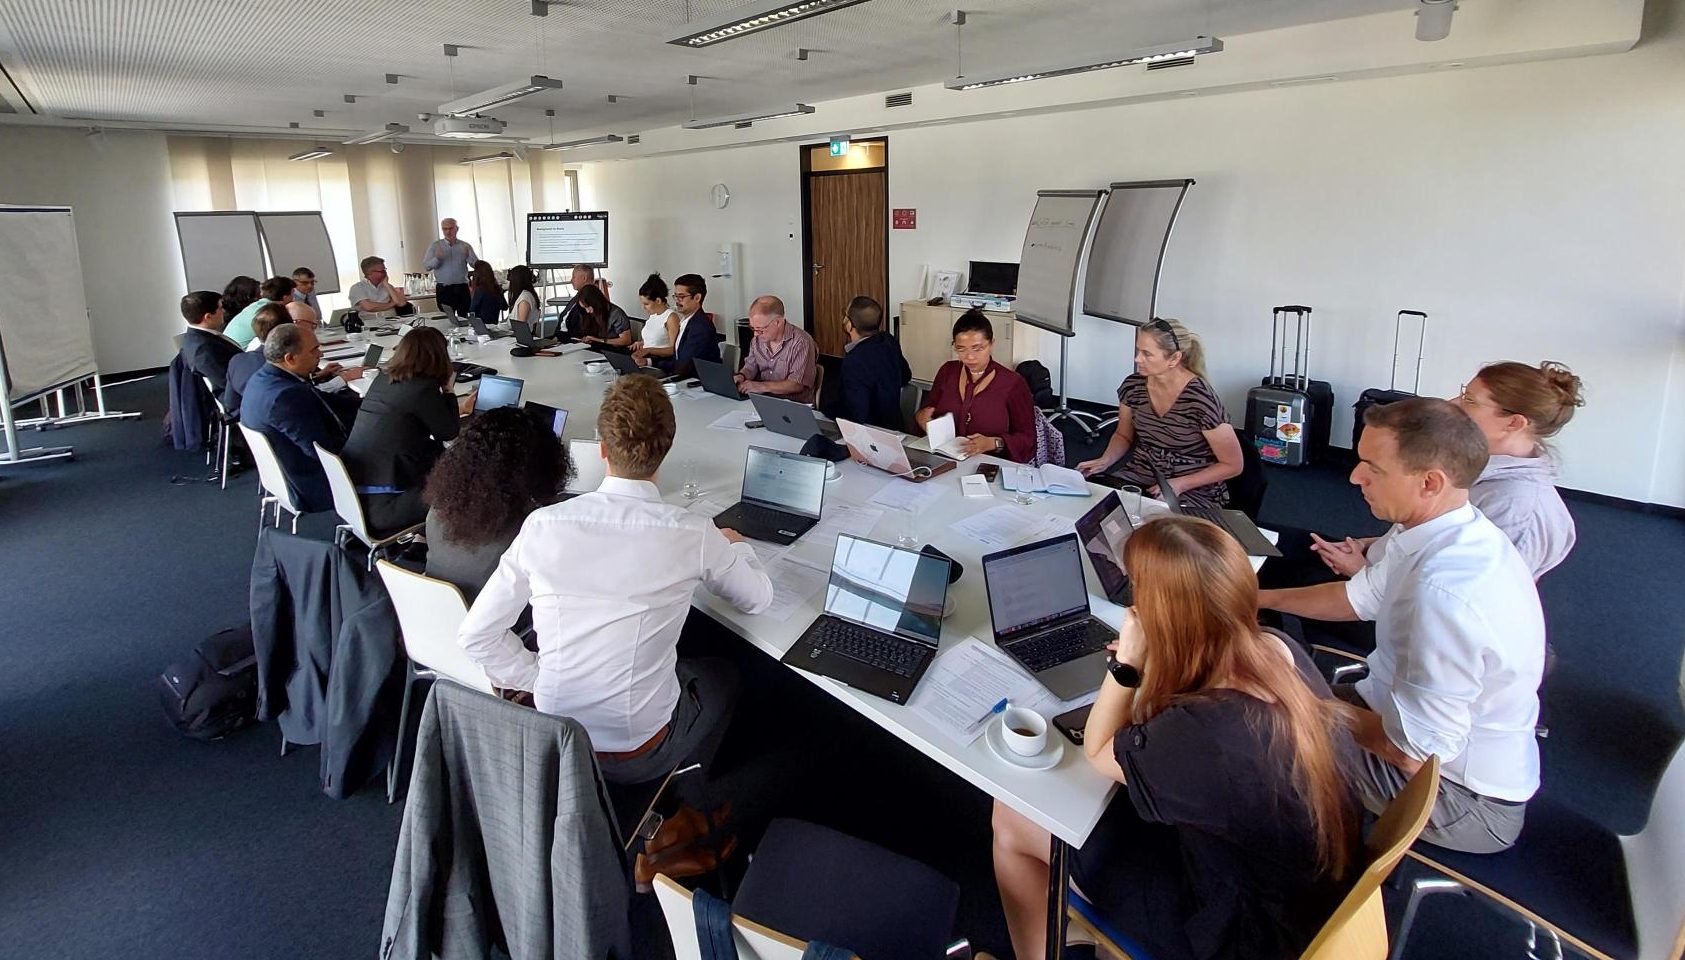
(898, 100)
(634, 138)
(1167, 64)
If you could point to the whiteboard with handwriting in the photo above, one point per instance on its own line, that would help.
(1053, 243)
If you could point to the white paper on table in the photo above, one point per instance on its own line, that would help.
(966, 681)
(794, 582)
(568, 348)
(1004, 526)
(734, 421)
(841, 518)
(766, 553)
(905, 495)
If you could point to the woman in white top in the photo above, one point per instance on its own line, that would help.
(661, 331)
(523, 296)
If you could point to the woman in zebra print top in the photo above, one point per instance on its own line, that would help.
(1169, 417)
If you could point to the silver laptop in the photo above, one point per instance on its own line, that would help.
(1038, 602)
(792, 419)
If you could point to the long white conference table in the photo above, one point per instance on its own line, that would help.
(1066, 799)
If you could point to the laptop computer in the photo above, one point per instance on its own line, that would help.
(882, 621)
(496, 391)
(718, 380)
(883, 449)
(481, 330)
(588, 466)
(524, 335)
(371, 356)
(782, 496)
(1233, 522)
(789, 418)
(624, 364)
(1102, 532)
(337, 318)
(553, 418)
(1038, 602)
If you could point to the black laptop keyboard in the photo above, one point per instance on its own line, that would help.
(1062, 644)
(868, 646)
(764, 518)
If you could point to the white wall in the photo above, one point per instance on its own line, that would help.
(1534, 210)
(119, 185)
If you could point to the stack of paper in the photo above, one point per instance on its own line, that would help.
(965, 682)
(1007, 526)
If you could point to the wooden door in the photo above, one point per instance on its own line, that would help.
(849, 234)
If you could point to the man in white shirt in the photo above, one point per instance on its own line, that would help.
(1460, 636)
(372, 296)
(609, 576)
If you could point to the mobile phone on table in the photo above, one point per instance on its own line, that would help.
(1072, 722)
(990, 471)
(753, 424)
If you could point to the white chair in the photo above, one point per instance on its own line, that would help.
(754, 942)
(430, 612)
(349, 505)
(221, 449)
(272, 480)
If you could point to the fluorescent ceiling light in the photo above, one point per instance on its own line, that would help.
(1176, 50)
(488, 158)
(754, 17)
(496, 96)
(314, 153)
(743, 120)
(375, 136)
(587, 142)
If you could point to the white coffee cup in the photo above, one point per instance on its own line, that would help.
(1024, 731)
(671, 388)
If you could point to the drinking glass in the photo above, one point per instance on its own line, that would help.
(1025, 481)
(907, 528)
(688, 473)
(1131, 497)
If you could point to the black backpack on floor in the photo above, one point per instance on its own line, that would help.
(213, 692)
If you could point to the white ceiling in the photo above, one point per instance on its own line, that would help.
(255, 65)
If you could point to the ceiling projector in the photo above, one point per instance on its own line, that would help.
(468, 128)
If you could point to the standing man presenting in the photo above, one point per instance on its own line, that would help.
(450, 260)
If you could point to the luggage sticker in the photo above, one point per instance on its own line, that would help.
(1286, 429)
(1271, 451)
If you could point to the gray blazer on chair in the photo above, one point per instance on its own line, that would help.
(508, 839)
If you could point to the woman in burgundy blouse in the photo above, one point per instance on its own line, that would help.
(992, 406)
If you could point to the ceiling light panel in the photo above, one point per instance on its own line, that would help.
(1177, 50)
(499, 95)
(744, 119)
(753, 18)
(586, 142)
(375, 136)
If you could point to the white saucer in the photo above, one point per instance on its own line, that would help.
(1047, 759)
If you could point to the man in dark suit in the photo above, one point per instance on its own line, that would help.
(204, 350)
(281, 403)
(873, 370)
(697, 338)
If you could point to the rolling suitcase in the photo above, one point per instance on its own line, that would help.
(1287, 414)
(1375, 396)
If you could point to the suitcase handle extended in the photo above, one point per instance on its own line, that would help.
(1421, 344)
(1292, 308)
(1301, 346)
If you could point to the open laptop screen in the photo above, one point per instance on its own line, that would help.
(787, 481)
(1035, 585)
(1102, 531)
(888, 588)
(552, 418)
(497, 392)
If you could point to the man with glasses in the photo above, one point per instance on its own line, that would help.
(696, 338)
(304, 289)
(372, 296)
(450, 260)
(781, 357)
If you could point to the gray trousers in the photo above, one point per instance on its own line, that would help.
(707, 696)
(1460, 820)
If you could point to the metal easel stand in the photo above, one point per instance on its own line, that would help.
(13, 453)
(1090, 423)
(82, 415)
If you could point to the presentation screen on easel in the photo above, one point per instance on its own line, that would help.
(567, 239)
(1128, 249)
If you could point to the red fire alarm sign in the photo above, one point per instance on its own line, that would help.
(905, 218)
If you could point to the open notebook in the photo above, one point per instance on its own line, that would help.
(1049, 478)
(940, 432)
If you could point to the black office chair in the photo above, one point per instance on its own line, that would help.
(1246, 492)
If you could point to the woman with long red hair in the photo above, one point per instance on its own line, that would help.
(1237, 830)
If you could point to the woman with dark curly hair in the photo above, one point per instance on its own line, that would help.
(505, 465)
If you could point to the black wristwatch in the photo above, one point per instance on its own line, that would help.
(1125, 674)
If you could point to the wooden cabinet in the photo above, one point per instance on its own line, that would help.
(927, 336)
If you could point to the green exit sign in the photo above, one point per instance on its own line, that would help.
(839, 146)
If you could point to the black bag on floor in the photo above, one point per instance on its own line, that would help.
(1035, 374)
(213, 691)
(1375, 396)
(1288, 414)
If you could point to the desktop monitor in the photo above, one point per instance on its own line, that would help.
(991, 277)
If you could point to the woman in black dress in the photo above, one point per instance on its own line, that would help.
(1169, 417)
(1236, 833)
(401, 428)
